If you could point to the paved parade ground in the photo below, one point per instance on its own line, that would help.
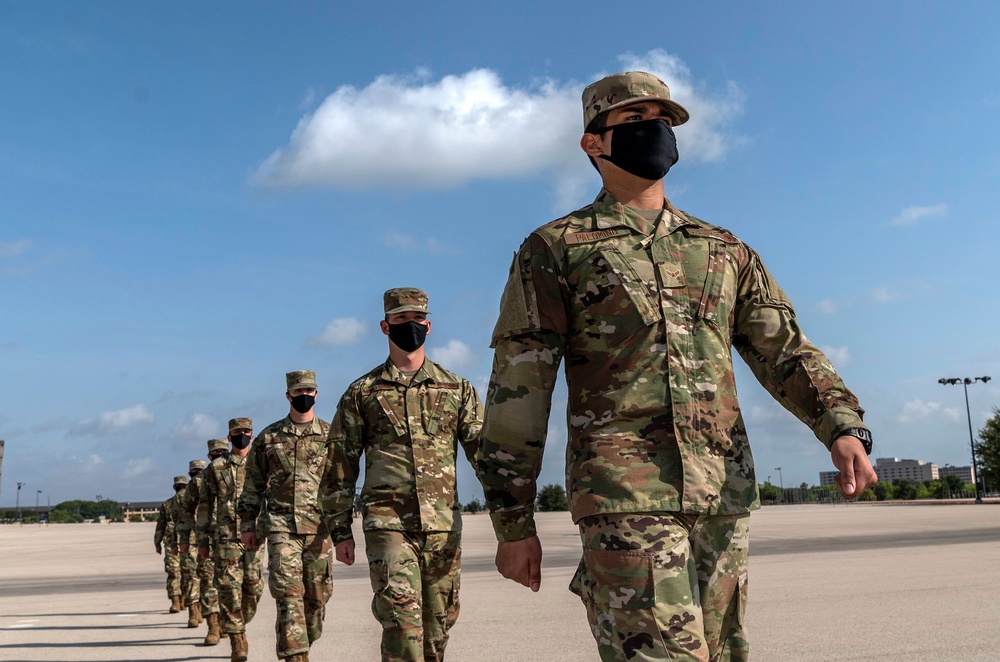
(839, 582)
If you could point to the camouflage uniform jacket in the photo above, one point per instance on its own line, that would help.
(175, 516)
(409, 431)
(165, 523)
(646, 316)
(187, 509)
(284, 467)
(220, 490)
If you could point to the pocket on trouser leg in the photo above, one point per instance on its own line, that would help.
(636, 610)
(735, 642)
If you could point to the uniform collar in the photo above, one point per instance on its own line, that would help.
(288, 425)
(429, 371)
(612, 214)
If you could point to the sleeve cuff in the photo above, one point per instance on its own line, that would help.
(835, 420)
(514, 524)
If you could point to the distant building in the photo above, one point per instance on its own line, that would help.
(826, 478)
(964, 473)
(889, 469)
(140, 511)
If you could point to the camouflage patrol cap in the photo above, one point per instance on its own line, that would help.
(180, 480)
(240, 424)
(626, 88)
(404, 300)
(196, 465)
(218, 445)
(300, 379)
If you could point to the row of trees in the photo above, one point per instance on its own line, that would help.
(69, 512)
(949, 487)
(987, 451)
(552, 498)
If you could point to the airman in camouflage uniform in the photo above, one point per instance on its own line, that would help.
(203, 536)
(184, 523)
(165, 533)
(408, 417)
(645, 303)
(284, 468)
(238, 571)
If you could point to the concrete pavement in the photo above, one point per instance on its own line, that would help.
(840, 582)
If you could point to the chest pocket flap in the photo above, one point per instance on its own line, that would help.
(390, 413)
(633, 285)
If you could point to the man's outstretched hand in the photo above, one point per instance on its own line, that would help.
(521, 561)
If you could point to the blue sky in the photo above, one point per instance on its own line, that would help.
(197, 199)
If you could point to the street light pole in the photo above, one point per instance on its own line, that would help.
(38, 493)
(19, 486)
(972, 444)
(781, 482)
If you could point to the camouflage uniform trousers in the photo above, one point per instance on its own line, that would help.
(301, 585)
(208, 592)
(239, 577)
(172, 566)
(190, 586)
(661, 586)
(415, 577)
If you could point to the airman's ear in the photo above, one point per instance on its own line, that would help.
(591, 144)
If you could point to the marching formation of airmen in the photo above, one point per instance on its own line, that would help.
(644, 304)
(293, 489)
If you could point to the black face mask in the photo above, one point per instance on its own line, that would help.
(303, 403)
(408, 336)
(178, 488)
(646, 149)
(215, 456)
(194, 474)
(241, 441)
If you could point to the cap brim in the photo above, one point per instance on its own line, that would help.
(678, 113)
(295, 387)
(407, 309)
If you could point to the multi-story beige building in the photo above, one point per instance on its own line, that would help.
(889, 469)
(965, 473)
(893, 468)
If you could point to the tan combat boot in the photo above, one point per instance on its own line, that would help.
(194, 614)
(175, 604)
(214, 632)
(241, 651)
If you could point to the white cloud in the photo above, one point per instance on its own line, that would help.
(454, 353)
(917, 411)
(885, 295)
(137, 468)
(911, 215)
(703, 137)
(399, 240)
(417, 131)
(341, 331)
(15, 248)
(199, 426)
(839, 356)
(827, 306)
(112, 421)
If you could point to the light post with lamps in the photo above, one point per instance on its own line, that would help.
(38, 516)
(972, 444)
(781, 482)
(19, 486)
